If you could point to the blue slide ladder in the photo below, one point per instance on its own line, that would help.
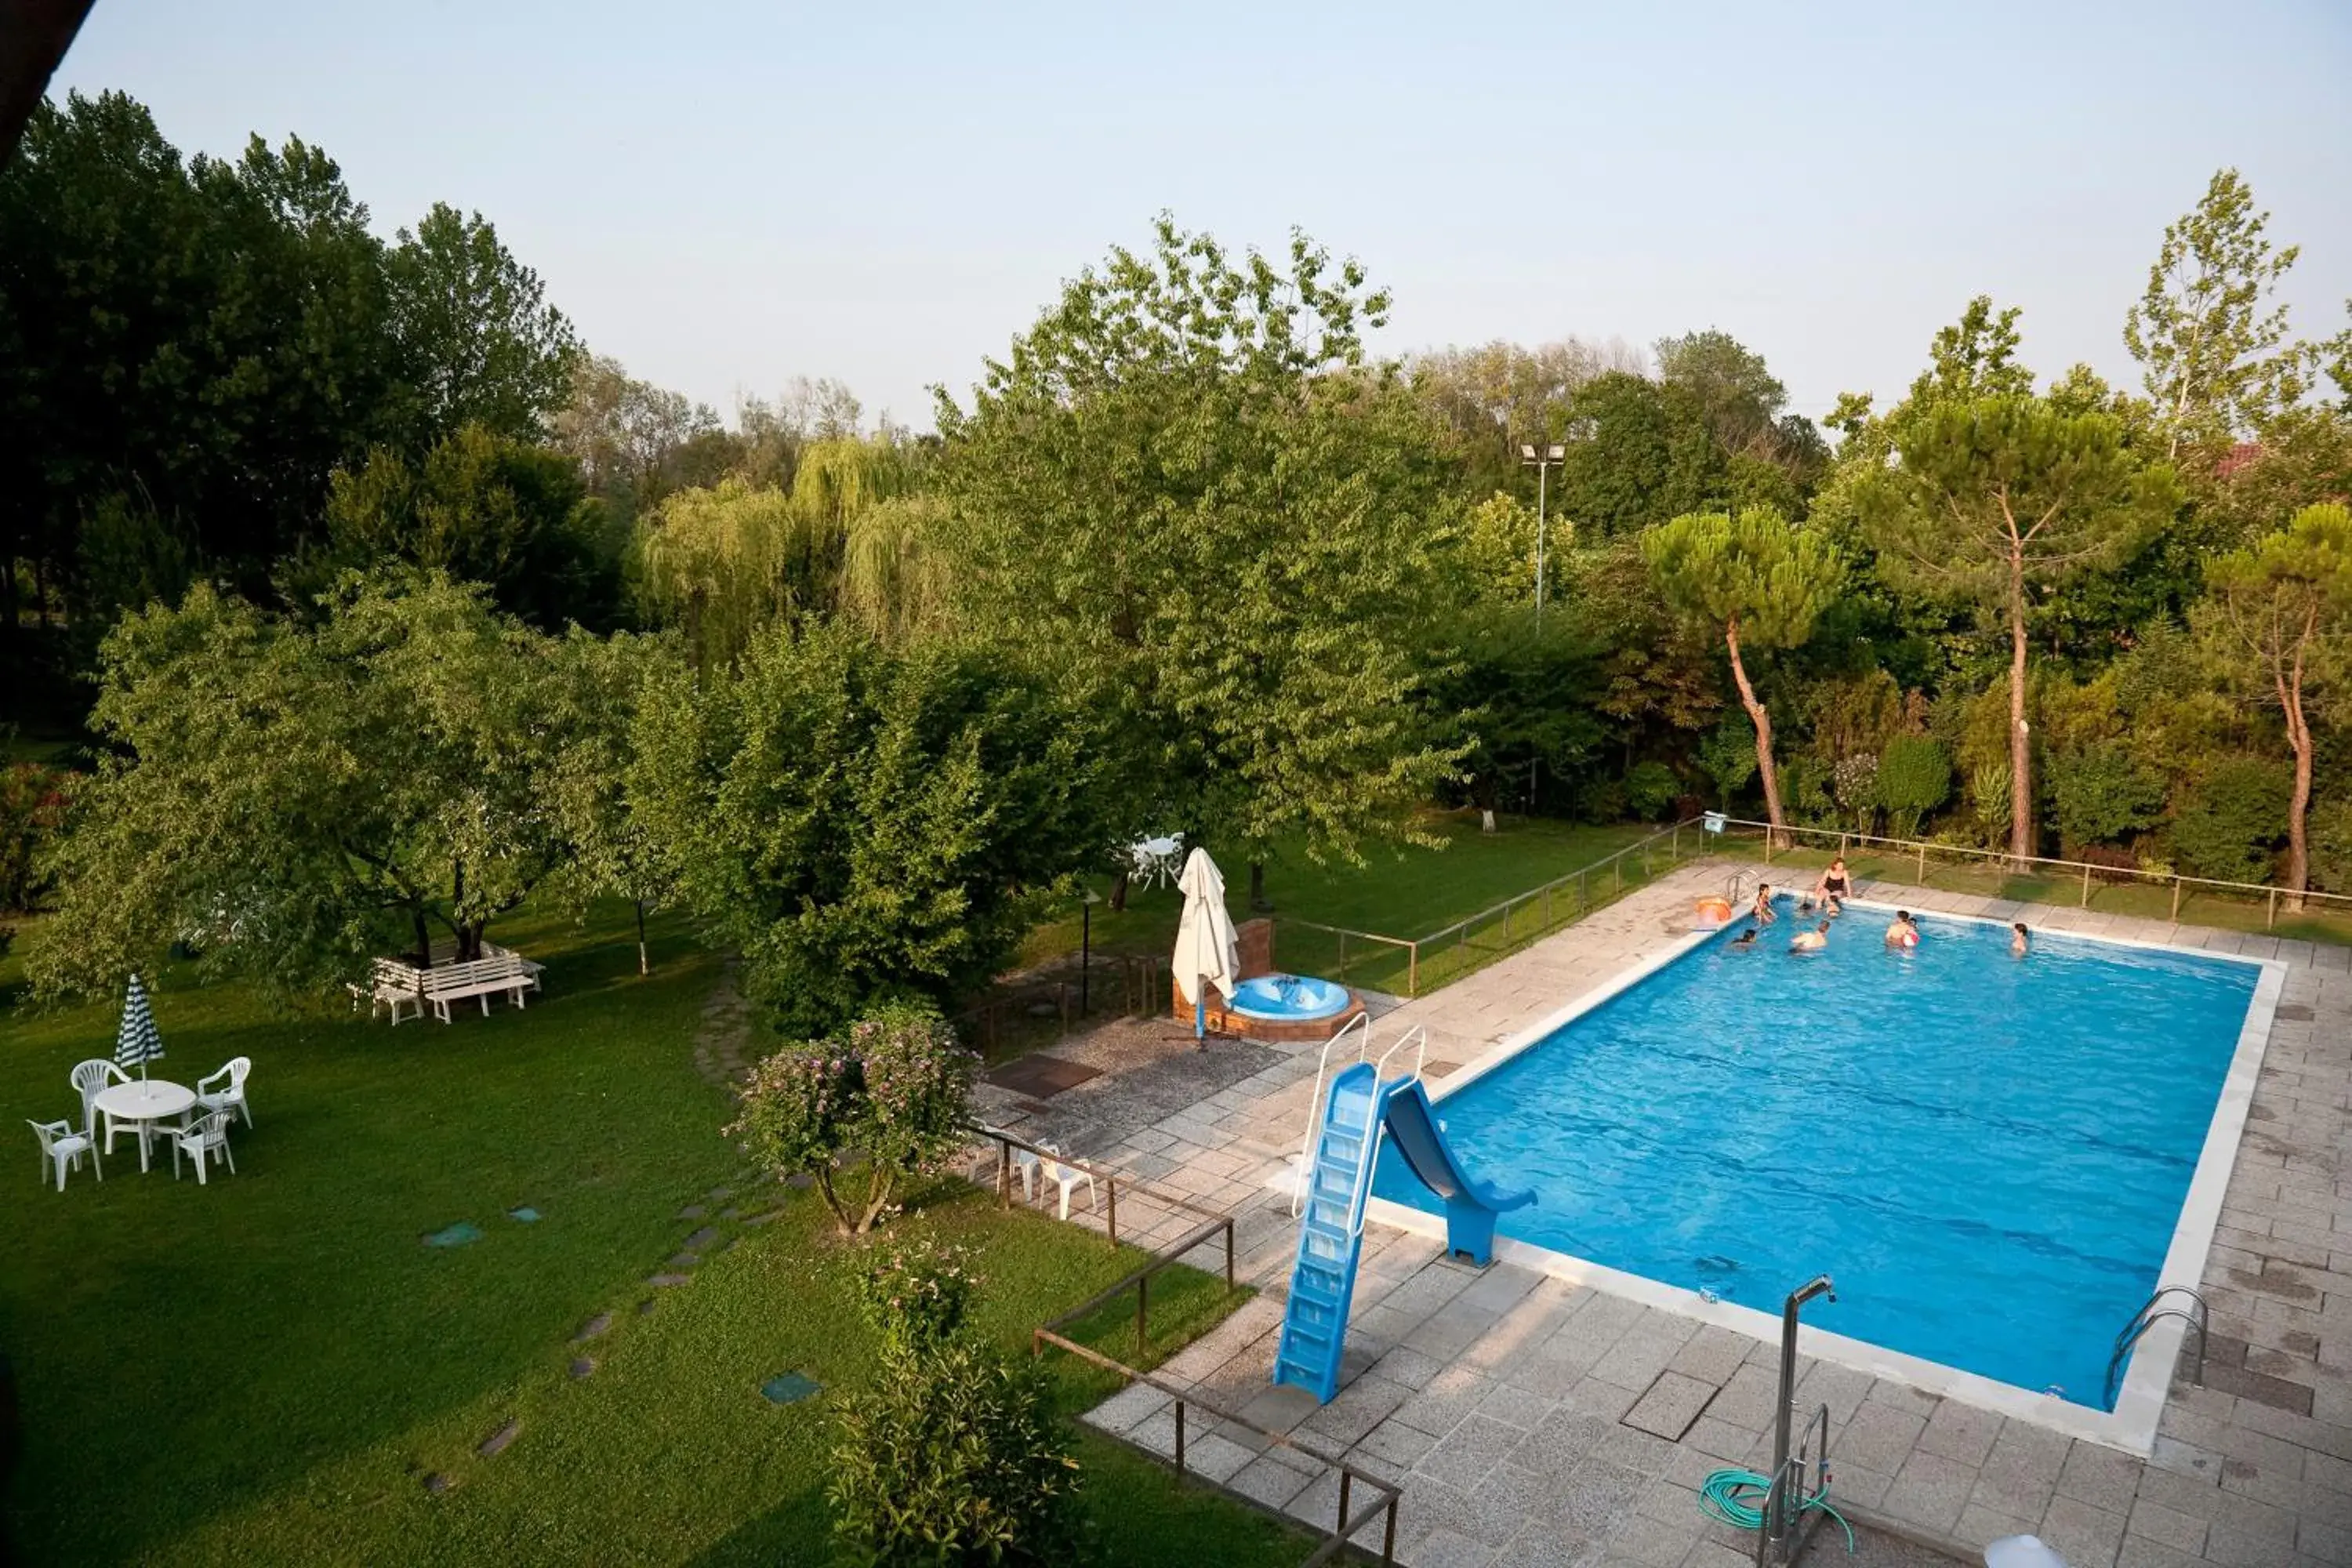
(1331, 1235)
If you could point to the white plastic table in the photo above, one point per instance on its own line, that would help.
(1157, 860)
(145, 1102)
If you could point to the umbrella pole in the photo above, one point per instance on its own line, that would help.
(1201, 1020)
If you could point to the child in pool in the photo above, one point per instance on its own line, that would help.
(1903, 931)
(1745, 941)
(1761, 911)
(1812, 941)
(2018, 941)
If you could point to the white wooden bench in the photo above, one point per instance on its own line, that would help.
(482, 978)
(395, 985)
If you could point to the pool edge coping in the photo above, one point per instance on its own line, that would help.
(2148, 1378)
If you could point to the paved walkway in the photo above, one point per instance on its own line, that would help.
(1533, 1421)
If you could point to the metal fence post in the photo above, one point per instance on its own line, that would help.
(1413, 970)
(1921, 879)
(1343, 958)
(2086, 884)
(2176, 897)
(2271, 919)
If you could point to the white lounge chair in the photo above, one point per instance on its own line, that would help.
(61, 1147)
(225, 1089)
(204, 1138)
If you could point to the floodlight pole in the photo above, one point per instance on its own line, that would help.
(1529, 458)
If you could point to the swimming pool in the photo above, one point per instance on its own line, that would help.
(1991, 1156)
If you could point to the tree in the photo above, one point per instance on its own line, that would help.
(894, 1094)
(1187, 493)
(480, 344)
(860, 822)
(1639, 453)
(1994, 497)
(2201, 330)
(1760, 579)
(485, 509)
(2284, 606)
(296, 798)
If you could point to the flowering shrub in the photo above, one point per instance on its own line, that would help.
(895, 1093)
(32, 811)
(918, 1295)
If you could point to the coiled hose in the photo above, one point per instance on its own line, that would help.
(1737, 1497)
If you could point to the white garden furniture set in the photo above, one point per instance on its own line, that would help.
(1066, 1177)
(115, 1103)
(394, 984)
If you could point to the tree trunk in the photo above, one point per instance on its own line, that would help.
(1118, 893)
(469, 940)
(1257, 888)
(2021, 749)
(1758, 716)
(2298, 736)
(644, 966)
(423, 936)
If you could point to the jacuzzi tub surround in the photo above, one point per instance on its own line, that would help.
(1288, 998)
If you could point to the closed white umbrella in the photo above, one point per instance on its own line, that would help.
(136, 1043)
(1207, 952)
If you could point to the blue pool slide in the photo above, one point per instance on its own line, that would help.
(1359, 1109)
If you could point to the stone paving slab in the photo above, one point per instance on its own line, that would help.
(1530, 1420)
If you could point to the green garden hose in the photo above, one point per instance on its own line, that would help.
(1726, 1496)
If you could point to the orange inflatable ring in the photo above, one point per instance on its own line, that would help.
(1713, 912)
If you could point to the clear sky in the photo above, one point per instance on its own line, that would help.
(726, 195)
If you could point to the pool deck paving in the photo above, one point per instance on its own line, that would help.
(1529, 1419)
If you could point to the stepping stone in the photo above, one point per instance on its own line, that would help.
(665, 1279)
(762, 1217)
(788, 1388)
(727, 1244)
(685, 1260)
(593, 1327)
(457, 1235)
(646, 1307)
(692, 1211)
(496, 1443)
(527, 1215)
(730, 1212)
(719, 1194)
(436, 1483)
(582, 1366)
(702, 1237)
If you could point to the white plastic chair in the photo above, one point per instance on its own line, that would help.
(205, 1137)
(61, 1146)
(1025, 1165)
(1066, 1177)
(231, 1096)
(89, 1080)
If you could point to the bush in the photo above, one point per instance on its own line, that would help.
(1602, 801)
(1854, 781)
(896, 1092)
(1915, 777)
(919, 1296)
(1989, 790)
(953, 1455)
(32, 811)
(1649, 788)
(2233, 825)
(2099, 794)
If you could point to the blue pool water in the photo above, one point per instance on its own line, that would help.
(1287, 996)
(1991, 1155)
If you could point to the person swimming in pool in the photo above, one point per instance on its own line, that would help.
(1745, 941)
(2018, 941)
(1761, 910)
(1812, 941)
(1902, 931)
(1836, 885)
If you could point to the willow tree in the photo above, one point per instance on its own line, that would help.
(1760, 579)
(724, 561)
(2282, 608)
(1995, 500)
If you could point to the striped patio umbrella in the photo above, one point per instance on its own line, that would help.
(136, 1043)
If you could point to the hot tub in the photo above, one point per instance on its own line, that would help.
(1288, 998)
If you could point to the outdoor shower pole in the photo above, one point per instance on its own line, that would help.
(1779, 1518)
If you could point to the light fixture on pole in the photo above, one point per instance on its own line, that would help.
(1542, 461)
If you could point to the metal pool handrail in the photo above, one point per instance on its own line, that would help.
(1419, 1034)
(1315, 1104)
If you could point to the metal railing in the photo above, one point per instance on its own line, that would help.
(2092, 873)
(1542, 909)
(1021, 1013)
(1350, 1520)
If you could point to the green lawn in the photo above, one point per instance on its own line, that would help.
(265, 1369)
(1408, 892)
